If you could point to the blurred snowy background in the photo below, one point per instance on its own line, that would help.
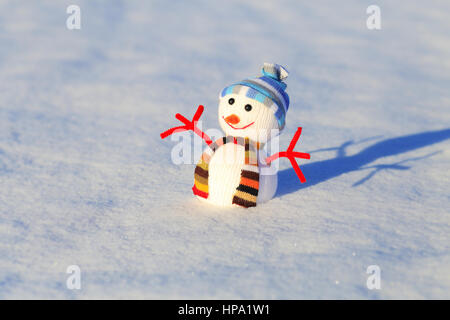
(85, 179)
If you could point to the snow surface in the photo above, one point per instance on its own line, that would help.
(85, 179)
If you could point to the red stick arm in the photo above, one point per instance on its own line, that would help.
(189, 125)
(291, 155)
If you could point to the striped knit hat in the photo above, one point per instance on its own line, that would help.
(268, 89)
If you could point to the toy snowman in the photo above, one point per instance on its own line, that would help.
(235, 170)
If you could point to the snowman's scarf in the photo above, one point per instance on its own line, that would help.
(247, 191)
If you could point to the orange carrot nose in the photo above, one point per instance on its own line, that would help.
(232, 119)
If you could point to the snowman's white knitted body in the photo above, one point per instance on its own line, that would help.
(224, 176)
(259, 124)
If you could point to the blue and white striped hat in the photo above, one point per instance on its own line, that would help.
(268, 89)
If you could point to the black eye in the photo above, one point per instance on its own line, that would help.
(248, 107)
(231, 101)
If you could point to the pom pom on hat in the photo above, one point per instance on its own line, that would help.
(275, 71)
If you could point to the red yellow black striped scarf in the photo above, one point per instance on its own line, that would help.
(247, 191)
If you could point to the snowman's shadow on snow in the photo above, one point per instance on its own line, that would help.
(321, 171)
